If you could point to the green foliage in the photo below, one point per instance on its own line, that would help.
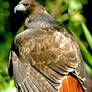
(4, 13)
(5, 44)
(87, 34)
(5, 81)
(57, 8)
(62, 10)
(86, 55)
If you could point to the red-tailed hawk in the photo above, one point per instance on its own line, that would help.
(45, 56)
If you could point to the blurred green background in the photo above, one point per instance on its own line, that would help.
(74, 14)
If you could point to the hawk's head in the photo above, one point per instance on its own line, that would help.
(28, 6)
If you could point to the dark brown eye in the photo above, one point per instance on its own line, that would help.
(26, 4)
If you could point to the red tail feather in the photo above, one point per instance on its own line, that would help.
(70, 84)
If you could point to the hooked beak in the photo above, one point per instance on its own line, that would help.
(19, 7)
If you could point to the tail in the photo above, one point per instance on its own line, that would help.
(70, 84)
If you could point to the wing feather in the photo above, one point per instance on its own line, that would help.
(44, 57)
(27, 78)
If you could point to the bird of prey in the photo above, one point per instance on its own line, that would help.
(45, 57)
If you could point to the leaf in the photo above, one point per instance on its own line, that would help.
(75, 5)
(87, 34)
(86, 55)
(89, 70)
(21, 29)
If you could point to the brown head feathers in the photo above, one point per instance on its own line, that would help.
(30, 6)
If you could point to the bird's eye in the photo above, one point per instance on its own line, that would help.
(26, 4)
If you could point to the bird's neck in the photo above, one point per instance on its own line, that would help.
(39, 20)
(35, 11)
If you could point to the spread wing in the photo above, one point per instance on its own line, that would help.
(42, 58)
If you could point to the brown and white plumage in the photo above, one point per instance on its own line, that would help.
(44, 54)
